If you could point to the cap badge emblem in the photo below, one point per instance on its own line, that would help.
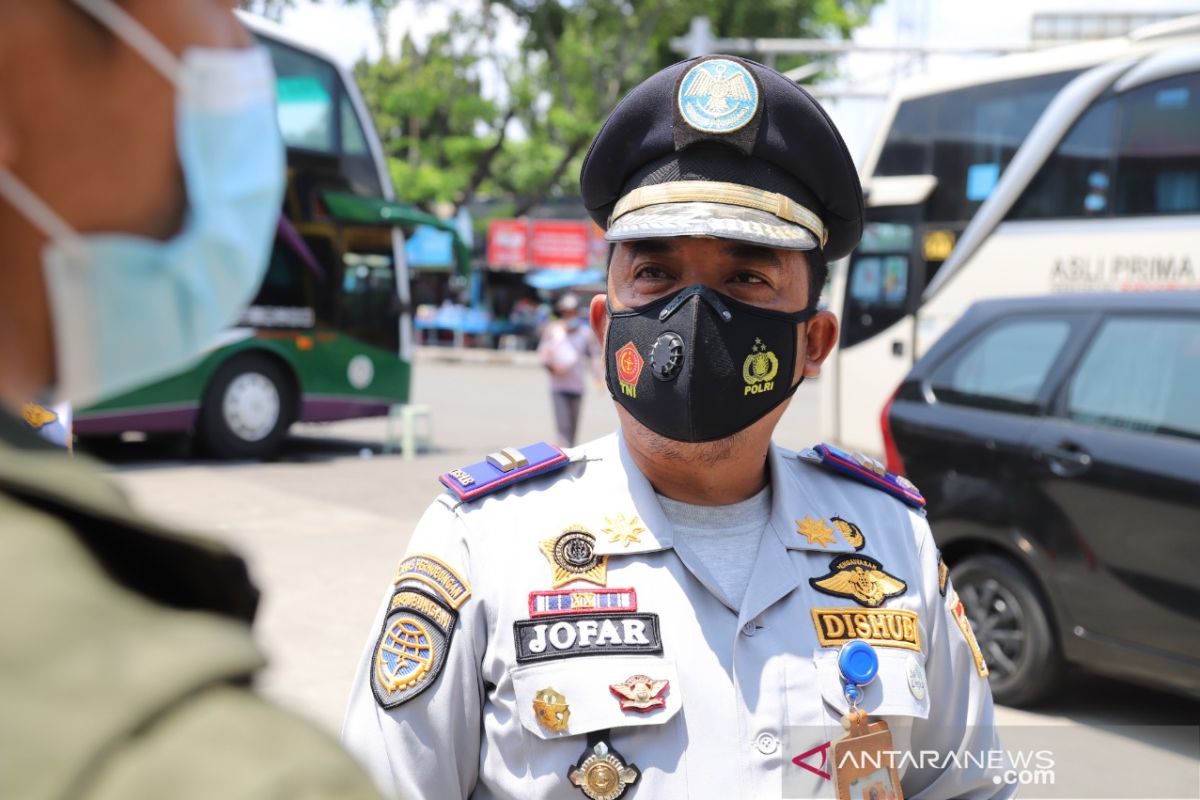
(718, 96)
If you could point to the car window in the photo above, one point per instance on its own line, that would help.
(1141, 374)
(1005, 367)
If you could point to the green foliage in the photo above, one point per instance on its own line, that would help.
(447, 143)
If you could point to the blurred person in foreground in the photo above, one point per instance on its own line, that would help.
(685, 609)
(141, 175)
(569, 352)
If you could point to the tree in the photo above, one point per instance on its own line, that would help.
(525, 142)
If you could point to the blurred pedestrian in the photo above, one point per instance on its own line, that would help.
(141, 176)
(569, 352)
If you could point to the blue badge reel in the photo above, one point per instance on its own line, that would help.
(859, 665)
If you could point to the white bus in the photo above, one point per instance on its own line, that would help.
(1070, 169)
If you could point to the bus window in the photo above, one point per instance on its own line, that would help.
(878, 281)
(966, 138)
(307, 87)
(1158, 148)
(370, 305)
(357, 163)
(1075, 180)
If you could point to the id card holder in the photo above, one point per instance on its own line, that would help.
(863, 761)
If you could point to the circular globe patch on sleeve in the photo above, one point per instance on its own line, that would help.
(409, 656)
(718, 96)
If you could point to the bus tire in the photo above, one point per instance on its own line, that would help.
(1012, 626)
(248, 407)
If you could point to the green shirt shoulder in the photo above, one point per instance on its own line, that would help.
(127, 656)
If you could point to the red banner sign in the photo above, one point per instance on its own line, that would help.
(508, 244)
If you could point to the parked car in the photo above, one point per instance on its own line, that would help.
(1057, 440)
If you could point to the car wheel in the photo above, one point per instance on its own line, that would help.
(1011, 623)
(247, 409)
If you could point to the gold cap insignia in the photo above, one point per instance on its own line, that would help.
(640, 693)
(603, 773)
(573, 556)
(859, 578)
(551, 710)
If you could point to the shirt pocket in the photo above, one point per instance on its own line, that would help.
(898, 690)
(653, 740)
(583, 684)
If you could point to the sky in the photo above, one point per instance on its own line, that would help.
(347, 33)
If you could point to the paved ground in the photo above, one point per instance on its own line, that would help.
(324, 526)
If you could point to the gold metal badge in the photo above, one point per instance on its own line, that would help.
(641, 693)
(551, 710)
(964, 624)
(759, 369)
(815, 531)
(850, 532)
(603, 774)
(623, 530)
(573, 556)
(884, 627)
(859, 578)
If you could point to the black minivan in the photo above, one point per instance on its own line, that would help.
(1057, 441)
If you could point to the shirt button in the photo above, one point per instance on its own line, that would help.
(749, 628)
(766, 743)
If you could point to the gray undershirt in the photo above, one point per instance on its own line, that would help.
(724, 538)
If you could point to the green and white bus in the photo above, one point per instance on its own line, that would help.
(329, 335)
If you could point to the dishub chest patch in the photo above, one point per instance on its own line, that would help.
(551, 638)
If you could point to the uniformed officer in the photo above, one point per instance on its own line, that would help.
(140, 180)
(686, 609)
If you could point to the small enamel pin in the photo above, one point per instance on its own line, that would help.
(551, 709)
(602, 773)
(640, 693)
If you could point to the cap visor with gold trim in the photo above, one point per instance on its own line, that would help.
(716, 209)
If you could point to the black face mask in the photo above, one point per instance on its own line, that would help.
(698, 365)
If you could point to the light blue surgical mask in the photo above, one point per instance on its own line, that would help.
(127, 309)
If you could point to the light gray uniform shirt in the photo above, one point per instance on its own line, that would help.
(749, 689)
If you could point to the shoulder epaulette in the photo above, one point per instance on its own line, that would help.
(869, 471)
(503, 468)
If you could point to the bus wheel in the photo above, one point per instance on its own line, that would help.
(248, 408)
(1012, 627)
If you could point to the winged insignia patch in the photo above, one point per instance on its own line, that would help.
(860, 578)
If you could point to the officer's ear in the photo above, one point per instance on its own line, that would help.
(820, 335)
(598, 316)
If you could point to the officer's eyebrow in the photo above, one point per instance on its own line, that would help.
(652, 247)
(743, 251)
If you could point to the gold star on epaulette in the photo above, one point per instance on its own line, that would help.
(815, 531)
